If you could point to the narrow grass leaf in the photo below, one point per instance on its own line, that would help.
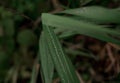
(66, 34)
(62, 63)
(96, 14)
(46, 60)
(35, 72)
(81, 27)
(81, 53)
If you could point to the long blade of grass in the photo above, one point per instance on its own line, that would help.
(81, 53)
(35, 72)
(46, 60)
(62, 63)
(81, 27)
(96, 14)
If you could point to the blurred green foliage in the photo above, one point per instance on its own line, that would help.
(17, 35)
(26, 38)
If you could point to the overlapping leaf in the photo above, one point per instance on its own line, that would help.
(81, 27)
(96, 14)
(50, 48)
(47, 65)
(35, 72)
(62, 63)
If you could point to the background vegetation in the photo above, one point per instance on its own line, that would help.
(94, 56)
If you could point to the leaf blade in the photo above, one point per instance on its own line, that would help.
(46, 61)
(62, 63)
(96, 14)
(81, 27)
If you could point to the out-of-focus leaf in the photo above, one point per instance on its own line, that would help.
(8, 26)
(81, 27)
(42, 7)
(35, 72)
(1, 10)
(18, 17)
(84, 2)
(118, 28)
(20, 8)
(5, 14)
(116, 1)
(3, 59)
(4, 63)
(10, 44)
(26, 38)
(86, 76)
(30, 6)
(81, 53)
(67, 34)
(1, 41)
(96, 14)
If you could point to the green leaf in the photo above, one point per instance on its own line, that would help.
(26, 38)
(4, 63)
(96, 14)
(81, 53)
(3, 59)
(10, 44)
(35, 72)
(47, 65)
(67, 34)
(81, 27)
(8, 26)
(62, 63)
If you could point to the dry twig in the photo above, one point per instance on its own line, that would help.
(110, 55)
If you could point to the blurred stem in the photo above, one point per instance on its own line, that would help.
(15, 75)
(12, 75)
(9, 75)
(56, 4)
(80, 78)
(35, 71)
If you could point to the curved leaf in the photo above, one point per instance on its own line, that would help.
(81, 27)
(96, 14)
